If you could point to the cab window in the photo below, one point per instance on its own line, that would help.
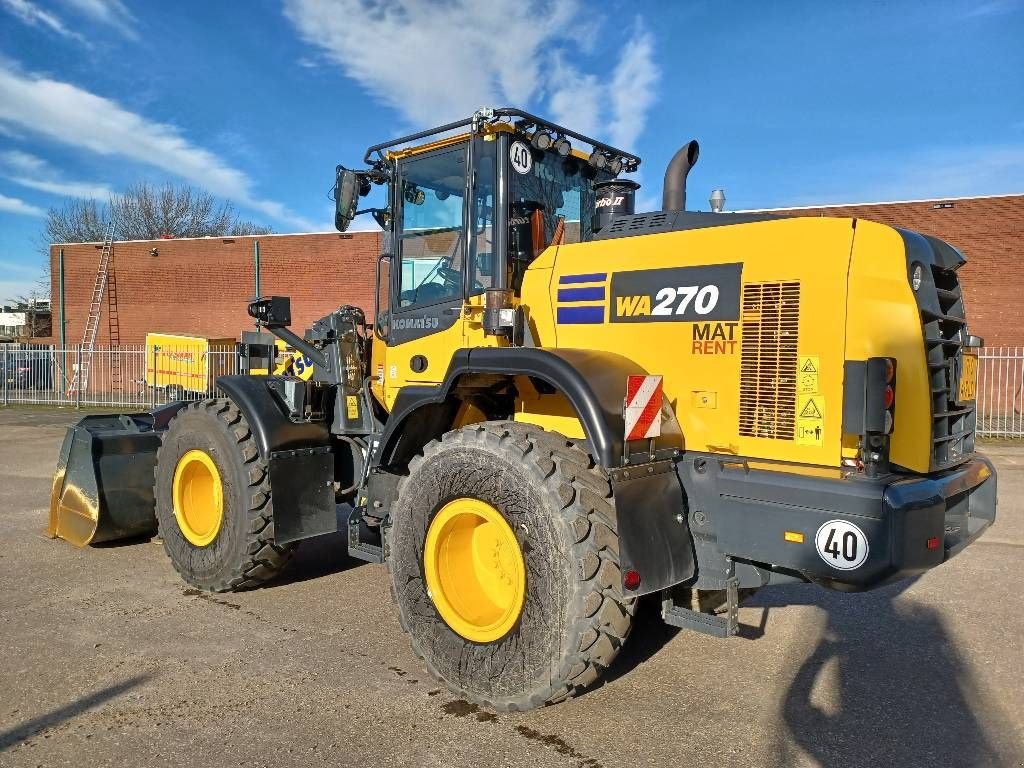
(481, 272)
(430, 237)
(563, 189)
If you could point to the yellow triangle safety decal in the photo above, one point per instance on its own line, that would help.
(808, 367)
(810, 411)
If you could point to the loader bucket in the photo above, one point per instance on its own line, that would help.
(103, 486)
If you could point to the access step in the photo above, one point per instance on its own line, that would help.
(725, 625)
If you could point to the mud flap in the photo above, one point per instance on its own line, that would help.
(654, 535)
(103, 486)
(303, 486)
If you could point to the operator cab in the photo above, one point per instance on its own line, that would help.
(468, 212)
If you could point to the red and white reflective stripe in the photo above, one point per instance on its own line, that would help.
(643, 407)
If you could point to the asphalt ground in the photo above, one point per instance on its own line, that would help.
(107, 658)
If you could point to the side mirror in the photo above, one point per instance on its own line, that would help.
(346, 197)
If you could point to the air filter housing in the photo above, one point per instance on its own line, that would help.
(615, 197)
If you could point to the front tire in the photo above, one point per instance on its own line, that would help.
(572, 619)
(213, 500)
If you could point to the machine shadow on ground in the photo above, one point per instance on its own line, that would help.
(840, 707)
(649, 635)
(56, 717)
(320, 556)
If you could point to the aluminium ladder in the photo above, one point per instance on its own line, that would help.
(80, 382)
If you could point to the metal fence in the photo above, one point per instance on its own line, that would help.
(1000, 395)
(127, 376)
(131, 377)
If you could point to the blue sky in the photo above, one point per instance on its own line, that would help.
(795, 103)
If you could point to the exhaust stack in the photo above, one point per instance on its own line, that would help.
(674, 195)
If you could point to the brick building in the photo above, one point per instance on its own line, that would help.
(988, 230)
(202, 286)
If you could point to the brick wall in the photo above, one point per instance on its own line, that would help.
(202, 286)
(990, 233)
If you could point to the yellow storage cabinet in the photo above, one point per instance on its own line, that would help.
(182, 365)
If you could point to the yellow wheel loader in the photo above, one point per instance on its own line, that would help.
(561, 405)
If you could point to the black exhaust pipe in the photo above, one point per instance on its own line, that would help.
(674, 194)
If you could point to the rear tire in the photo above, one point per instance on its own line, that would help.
(574, 618)
(243, 554)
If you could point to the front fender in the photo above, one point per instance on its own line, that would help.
(299, 460)
(270, 425)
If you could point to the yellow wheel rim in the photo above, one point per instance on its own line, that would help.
(198, 497)
(474, 570)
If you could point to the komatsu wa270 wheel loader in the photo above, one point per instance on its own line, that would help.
(561, 405)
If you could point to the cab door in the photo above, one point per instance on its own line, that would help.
(424, 324)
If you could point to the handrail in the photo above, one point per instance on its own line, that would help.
(632, 161)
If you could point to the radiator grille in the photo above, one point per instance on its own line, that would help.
(768, 359)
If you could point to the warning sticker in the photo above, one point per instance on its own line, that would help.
(352, 406)
(810, 410)
(810, 419)
(807, 375)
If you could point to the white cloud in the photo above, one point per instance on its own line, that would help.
(35, 173)
(929, 173)
(979, 170)
(110, 12)
(21, 269)
(22, 162)
(438, 61)
(993, 8)
(434, 62)
(19, 207)
(576, 100)
(70, 115)
(10, 290)
(632, 89)
(34, 16)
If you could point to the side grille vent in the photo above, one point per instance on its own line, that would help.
(768, 359)
(638, 222)
(953, 423)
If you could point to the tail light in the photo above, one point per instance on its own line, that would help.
(869, 408)
(880, 395)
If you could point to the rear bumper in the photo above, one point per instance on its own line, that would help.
(909, 525)
(960, 503)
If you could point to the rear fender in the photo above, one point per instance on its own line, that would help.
(594, 383)
(654, 535)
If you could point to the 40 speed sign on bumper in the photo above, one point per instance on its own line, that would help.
(859, 534)
(842, 545)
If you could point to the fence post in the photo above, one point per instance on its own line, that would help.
(156, 351)
(78, 377)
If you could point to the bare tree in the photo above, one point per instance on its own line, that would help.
(146, 212)
(143, 212)
(79, 221)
